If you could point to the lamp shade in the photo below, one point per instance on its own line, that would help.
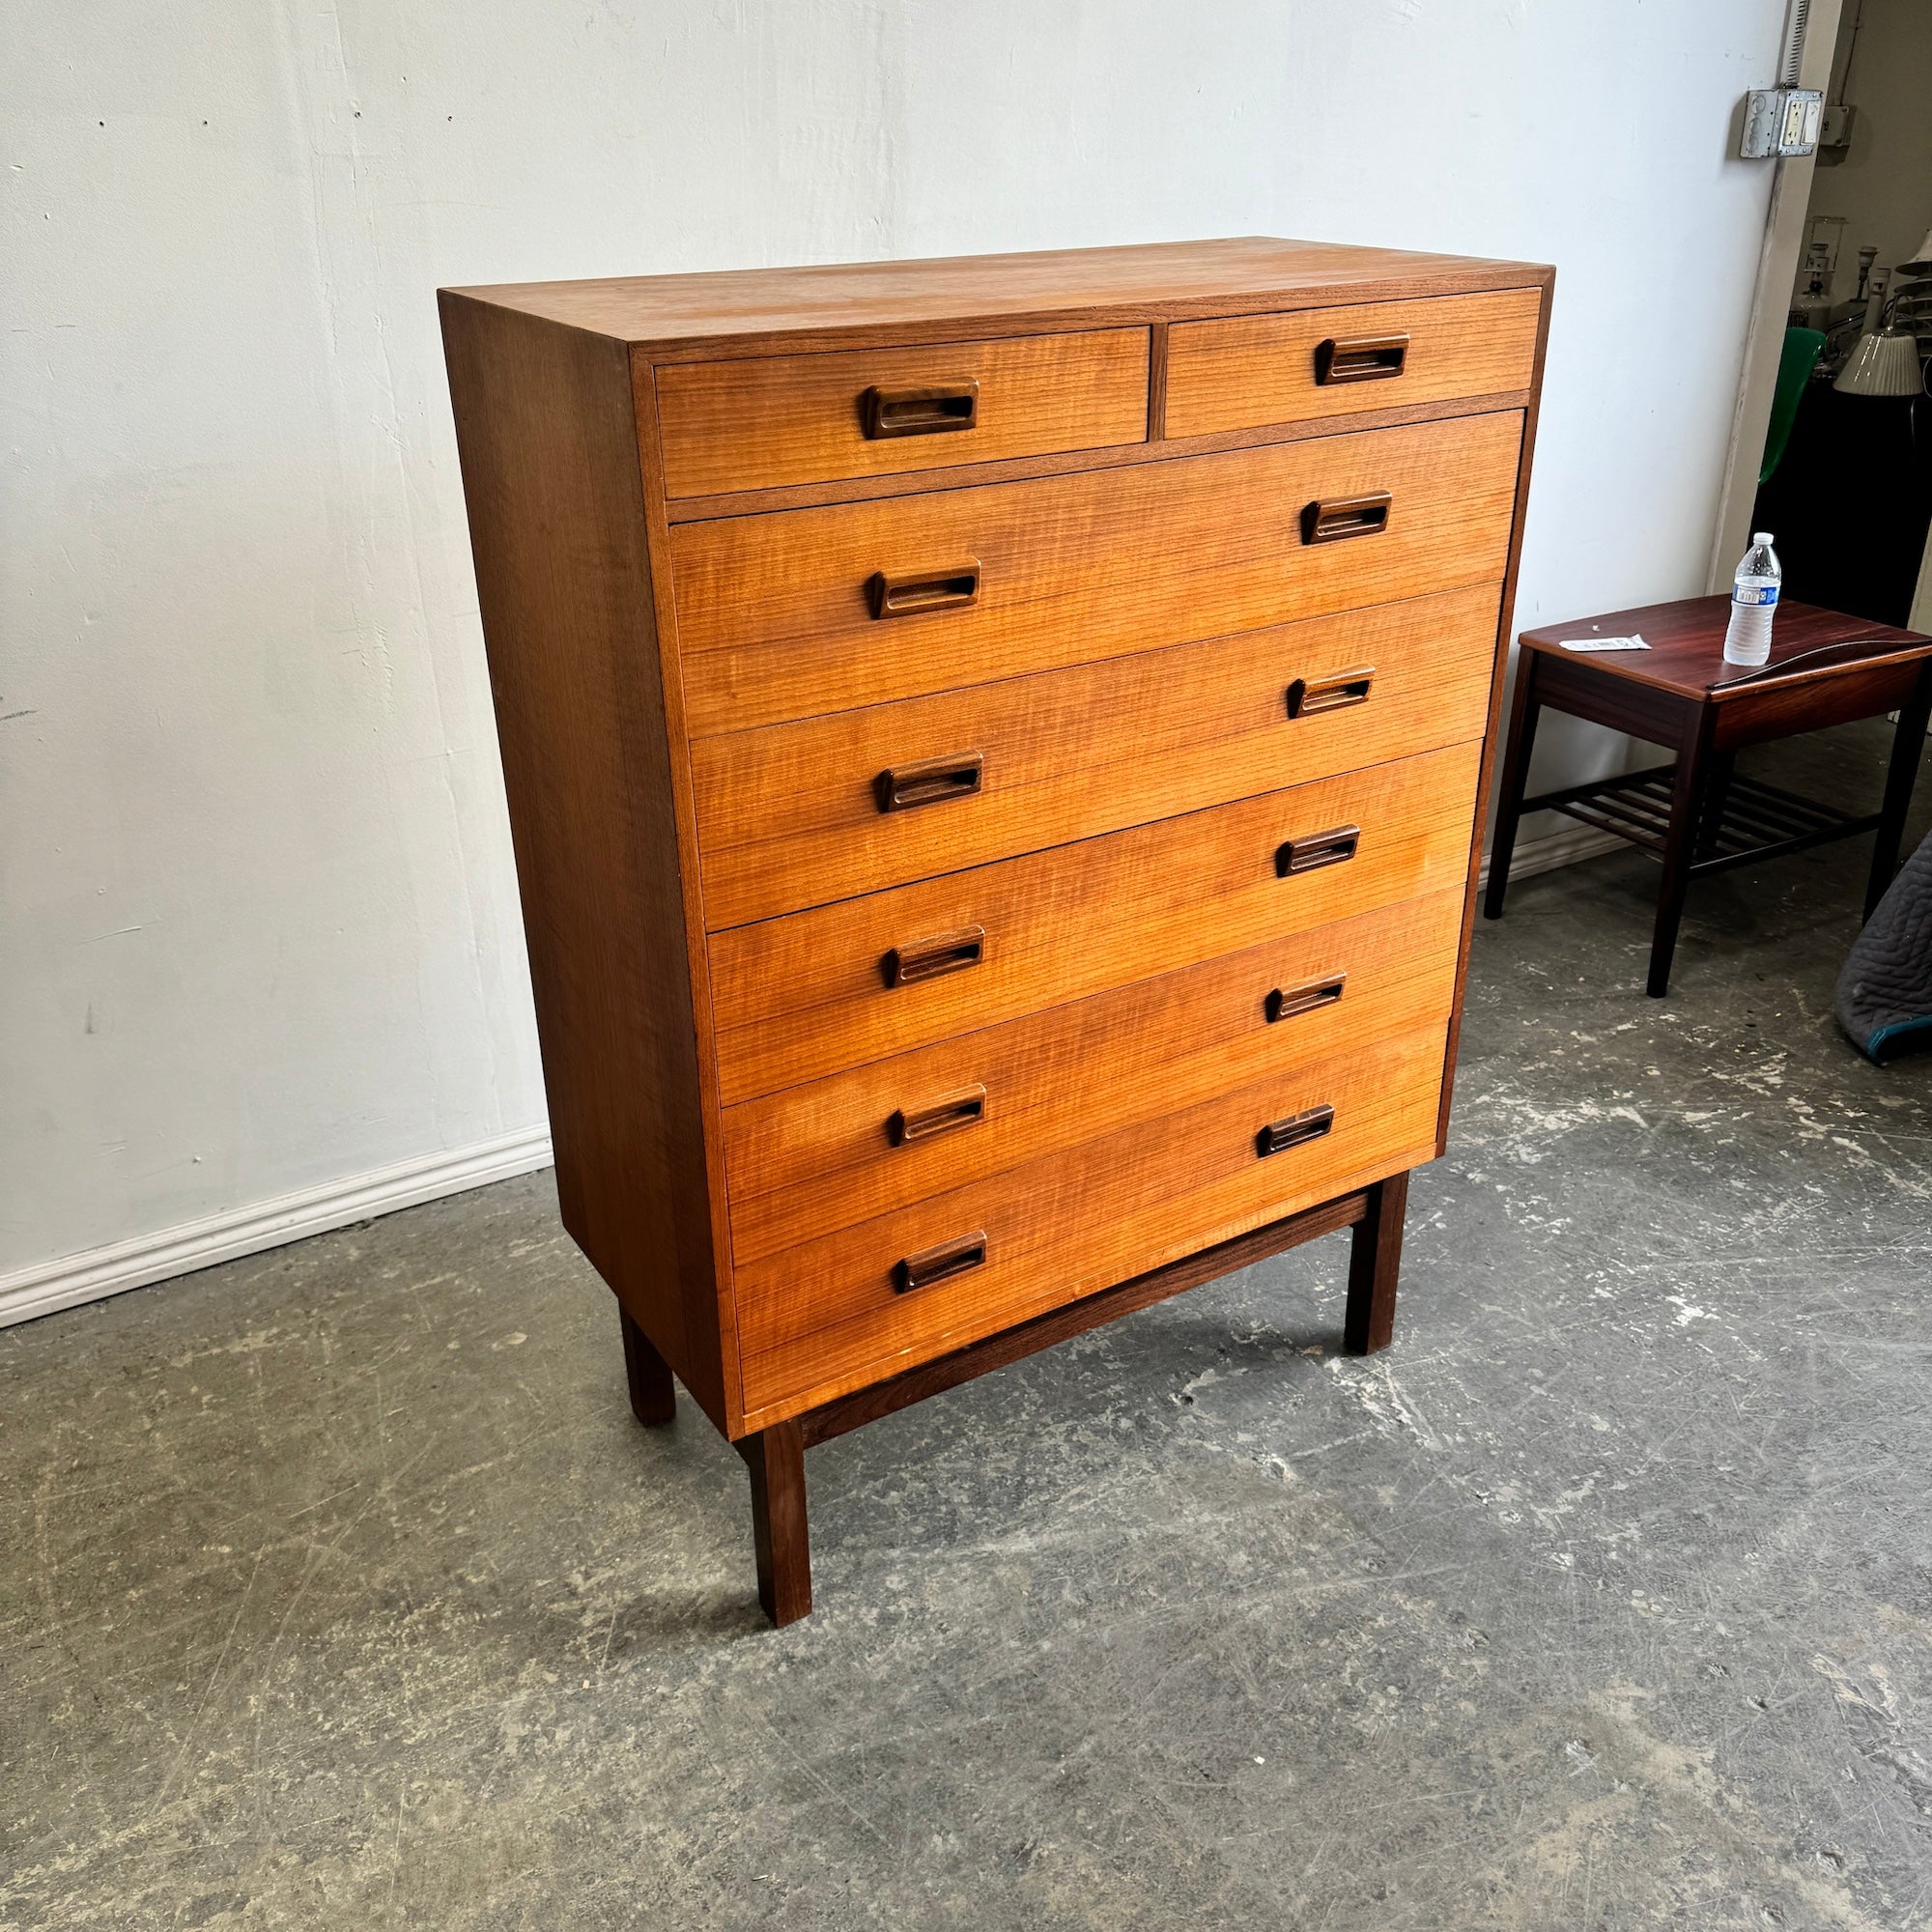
(1921, 261)
(1885, 364)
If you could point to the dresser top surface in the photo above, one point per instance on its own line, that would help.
(1160, 281)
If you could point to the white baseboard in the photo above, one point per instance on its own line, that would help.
(99, 1272)
(1567, 848)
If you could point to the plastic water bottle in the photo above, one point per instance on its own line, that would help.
(1753, 604)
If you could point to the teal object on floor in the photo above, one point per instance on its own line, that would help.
(1800, 355)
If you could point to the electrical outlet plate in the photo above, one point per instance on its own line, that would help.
(1780, 121)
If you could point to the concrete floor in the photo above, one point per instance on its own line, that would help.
(338, 1588)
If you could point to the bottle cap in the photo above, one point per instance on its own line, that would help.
(1761, 536)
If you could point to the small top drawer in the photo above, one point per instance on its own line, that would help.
(765, 421)
(1246, 371)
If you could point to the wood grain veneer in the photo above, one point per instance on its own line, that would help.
(803, 996)
(1246, 370)
(820, 1156)
(1111, 456)
(788, 815)
(758, 424)
(550, 473)
(769, 311)
(774, 619)
(804, 688)
(817, 1314)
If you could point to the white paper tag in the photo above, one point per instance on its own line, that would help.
(1630, 643)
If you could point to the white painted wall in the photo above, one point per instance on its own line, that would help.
(259, 927)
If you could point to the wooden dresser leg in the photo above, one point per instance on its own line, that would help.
(776, 1458)
(653, 1394)
(1374, 1260)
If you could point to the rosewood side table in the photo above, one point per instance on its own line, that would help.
(1699, 814)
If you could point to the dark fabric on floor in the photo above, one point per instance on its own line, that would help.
(1884, 992)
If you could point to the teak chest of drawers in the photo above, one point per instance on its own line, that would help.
(995, 751)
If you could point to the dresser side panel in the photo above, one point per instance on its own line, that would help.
(548, 442)
(1497, 678)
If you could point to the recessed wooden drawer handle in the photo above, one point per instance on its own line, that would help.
(1360, 358)
(930, 782)
(930, 959)
(940, 1263)
(1278, 1136)
(951, 589)
(937, 410)
(1285, 1002)
(1309, 696)
(1315, 849)
(964, 1109)
(1330, 520)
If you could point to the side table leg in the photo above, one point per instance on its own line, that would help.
(775, 1459)
(1680, 846)
(1375, 1262)
(1908, 743)
(1524, 710)
(1718, 774)
(653, 1394)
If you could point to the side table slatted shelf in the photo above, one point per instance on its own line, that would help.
(1751, 821)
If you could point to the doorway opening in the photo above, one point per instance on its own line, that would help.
(1834, 449)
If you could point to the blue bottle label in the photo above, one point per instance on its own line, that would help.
(1754, 593)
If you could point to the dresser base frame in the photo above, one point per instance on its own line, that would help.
(776, 1456)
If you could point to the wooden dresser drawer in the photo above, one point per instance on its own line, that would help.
(831, 1312)
(777, 612)
(800, 997)
(824, 809)
(814, 1159)
(757, 424)
(1249, 370)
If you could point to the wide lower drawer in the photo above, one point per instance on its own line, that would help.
(836, 1311)
(763, 421)
(798, 612)
(1245, 371)
(804, 1162)
(824, 809)
(844, 985)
